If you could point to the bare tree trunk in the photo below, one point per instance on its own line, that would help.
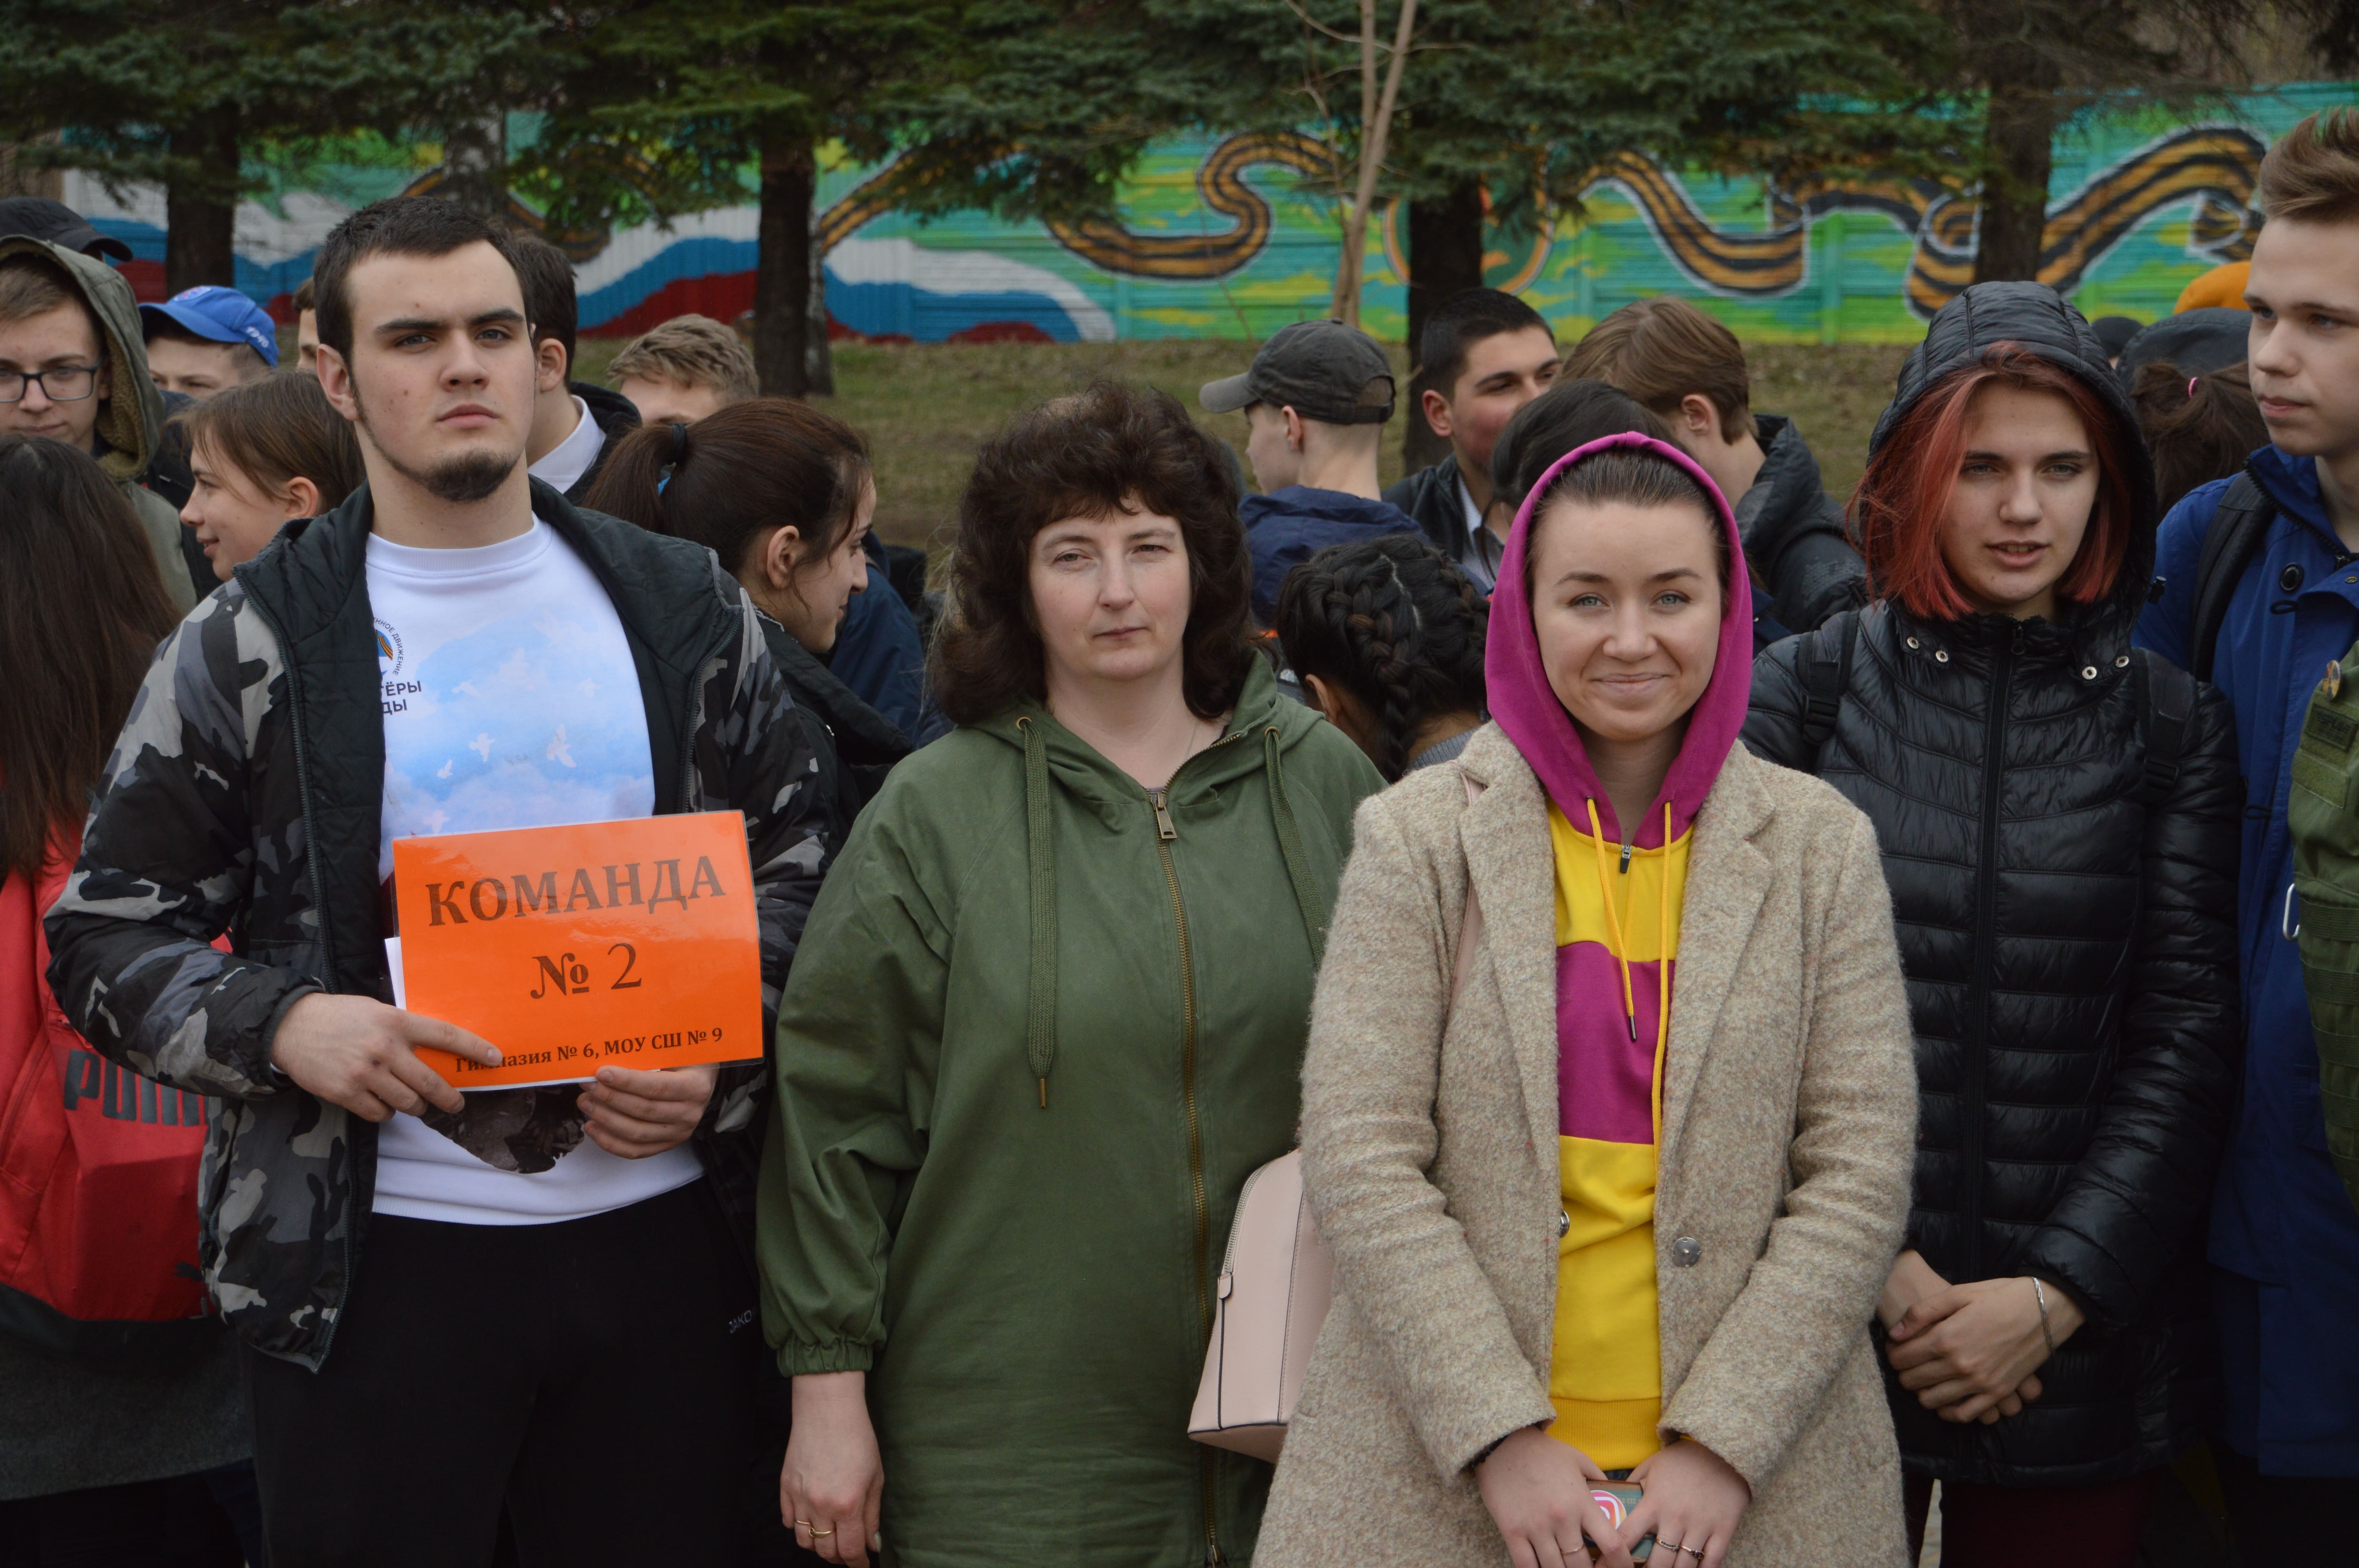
(2018, 153)
(782, 270)
(1375, 126)
(19, 178)
(819, 356)
(475, 167)
(1445, 257)
(200, 202)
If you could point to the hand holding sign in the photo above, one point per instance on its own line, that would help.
(635, 1114)
(355, 1052)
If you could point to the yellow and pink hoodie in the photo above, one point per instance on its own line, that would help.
(1619, 893)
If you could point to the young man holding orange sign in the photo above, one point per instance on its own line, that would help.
(533, 1296)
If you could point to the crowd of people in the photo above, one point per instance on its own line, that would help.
(1790, 1008)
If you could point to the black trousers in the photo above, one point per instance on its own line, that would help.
(594, 1379)
(175, 1523)
(2292, 1518)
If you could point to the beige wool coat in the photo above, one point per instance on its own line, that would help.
(1430, 1152)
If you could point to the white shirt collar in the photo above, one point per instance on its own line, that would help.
(1480, 558)
(1466, 500)
(563, 467)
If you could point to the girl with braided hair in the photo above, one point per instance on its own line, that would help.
(1386, 634)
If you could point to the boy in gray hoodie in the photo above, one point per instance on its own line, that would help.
(73, 368)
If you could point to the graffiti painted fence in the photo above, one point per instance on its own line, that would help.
(1224, 238)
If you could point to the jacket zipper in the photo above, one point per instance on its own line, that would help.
(1986, 940)
(327, 937)
(1164, 833)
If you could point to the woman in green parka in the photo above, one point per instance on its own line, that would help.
(1048, 1013)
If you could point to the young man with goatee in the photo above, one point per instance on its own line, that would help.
(523, 1301)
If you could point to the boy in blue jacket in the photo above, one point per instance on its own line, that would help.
(2285, 1237)
(1315, 399)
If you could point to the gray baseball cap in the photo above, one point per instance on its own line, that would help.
(1322, 369)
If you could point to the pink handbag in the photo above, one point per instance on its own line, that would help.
(1276, 1284)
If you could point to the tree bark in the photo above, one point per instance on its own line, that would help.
(819, 355)
(2018, 153)
(475, 167)
(200, 202)
(1375, 126)
(1445, 257)
(782, 271)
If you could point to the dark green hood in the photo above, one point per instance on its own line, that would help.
(1261, 730)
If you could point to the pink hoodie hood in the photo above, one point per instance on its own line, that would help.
(1525, 706)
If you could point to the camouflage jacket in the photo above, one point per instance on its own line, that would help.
(245, 794)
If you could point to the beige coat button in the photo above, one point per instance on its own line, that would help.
(1686, 1250)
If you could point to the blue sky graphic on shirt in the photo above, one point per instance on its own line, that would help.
(510, 725)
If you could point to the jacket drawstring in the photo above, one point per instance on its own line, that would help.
(1041, 1002)
(1290, 846)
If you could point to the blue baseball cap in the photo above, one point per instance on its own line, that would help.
(222, 315)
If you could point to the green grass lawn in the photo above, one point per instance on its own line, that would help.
(925, 407)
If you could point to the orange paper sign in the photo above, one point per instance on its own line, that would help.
(630, 943)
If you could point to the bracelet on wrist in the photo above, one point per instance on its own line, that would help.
(2039, 1294)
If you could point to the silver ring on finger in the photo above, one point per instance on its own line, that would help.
(1672, 1547)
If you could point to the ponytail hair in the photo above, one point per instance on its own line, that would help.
(1392, 621)
(2199, 427)
(728, 479)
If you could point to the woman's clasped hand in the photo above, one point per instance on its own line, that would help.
(1539, 1491)
(1970, 1352)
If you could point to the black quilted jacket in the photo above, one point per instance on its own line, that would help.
(2071, 958)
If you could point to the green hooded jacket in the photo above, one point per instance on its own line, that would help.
(1015, 920)
(131, 424)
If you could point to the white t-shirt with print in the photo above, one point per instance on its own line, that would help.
(510, 700)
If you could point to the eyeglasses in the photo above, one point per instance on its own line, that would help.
(60, 383)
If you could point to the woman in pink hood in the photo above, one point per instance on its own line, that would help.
(1608, 1106)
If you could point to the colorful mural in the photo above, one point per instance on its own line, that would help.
(1227, 238)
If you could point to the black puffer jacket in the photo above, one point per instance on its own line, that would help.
(2071, 960)
(1793, 530)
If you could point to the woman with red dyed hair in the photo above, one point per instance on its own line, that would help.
(2058, 814)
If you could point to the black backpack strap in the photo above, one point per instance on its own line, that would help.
(2230, 543)
(2166, 696)
(1826, 673)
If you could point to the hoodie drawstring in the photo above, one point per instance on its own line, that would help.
(1662, 973)
(1622, 953)
(1613, 923)
(1290, 846)
(1041, 1002)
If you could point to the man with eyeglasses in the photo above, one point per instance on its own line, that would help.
(72, 368)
